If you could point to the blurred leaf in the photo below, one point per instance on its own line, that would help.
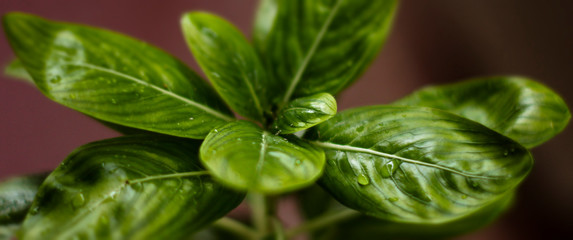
(303, 113)
(230, 62)
(320, 46)
(520, 108)
(366, 228)
(136, 187)
(416, 165)
(114, 78)
(242, 155)
(16, 196)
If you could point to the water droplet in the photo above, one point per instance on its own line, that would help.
(113, 101)
(360, 129)
(363, 180)
(35, 210)
(56, 79)
(215, 130)
(389, 168)
(393, 199)
(72, 96)
(104, 220)
(464, 196)
(238, 139)
(191, 118)
(297, 162)
(505, 153)
(79, 200)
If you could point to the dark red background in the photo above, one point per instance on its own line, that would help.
(436, 41)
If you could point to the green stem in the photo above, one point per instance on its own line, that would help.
(320, 222)
(236, 227)
(258, 205)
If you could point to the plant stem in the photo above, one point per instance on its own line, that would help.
(236, 227)
(321, 222)
(258, 205)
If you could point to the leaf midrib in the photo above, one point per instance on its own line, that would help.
(311, 51)
(406, 160)
(139, 81)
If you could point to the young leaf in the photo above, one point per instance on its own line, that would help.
(16, 195)
(303, 113)
(16, 70)
(418, 165)
(114, 78)
(243, 156)
(522, 109)
(230, 62)
(320, 46)
(128, 188)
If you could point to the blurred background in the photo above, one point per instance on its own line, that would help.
(432, 42)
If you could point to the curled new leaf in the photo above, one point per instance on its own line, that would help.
(114, 78)
(242, 155)
(417, 165)
(133, 187)
(230, 62)
(320, 46)
(522, 109)
(303, 113)
(16, 195)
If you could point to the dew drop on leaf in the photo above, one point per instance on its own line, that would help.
(363, 180)
(78, 201)
(393, 199)
(297, 162)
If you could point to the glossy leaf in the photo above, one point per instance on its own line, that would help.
(16, 195)
(306, 112)
(128, 188)
(114, 78)
(320, 46)
(230, 62)
(15, 69)
(520, 108)
(242, 155)
(418, 165)
(366, 228)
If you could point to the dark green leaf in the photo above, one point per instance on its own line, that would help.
(16, 195)
(16, 70)
(520, 108)
(303, 113)
(320, 46)
(243, 156)
(418, 165)
(230, 62)
(114, 78)
(128, 188)
(366, 228)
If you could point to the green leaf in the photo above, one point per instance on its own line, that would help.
(230, 62)
(366, 228)
(522, 109)
(132, 187)
(16, 195)
(264, 20)
(320, 46)
(114, 78)
(417, 165)
(242, 155)
(16, 70)
(303, 113)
